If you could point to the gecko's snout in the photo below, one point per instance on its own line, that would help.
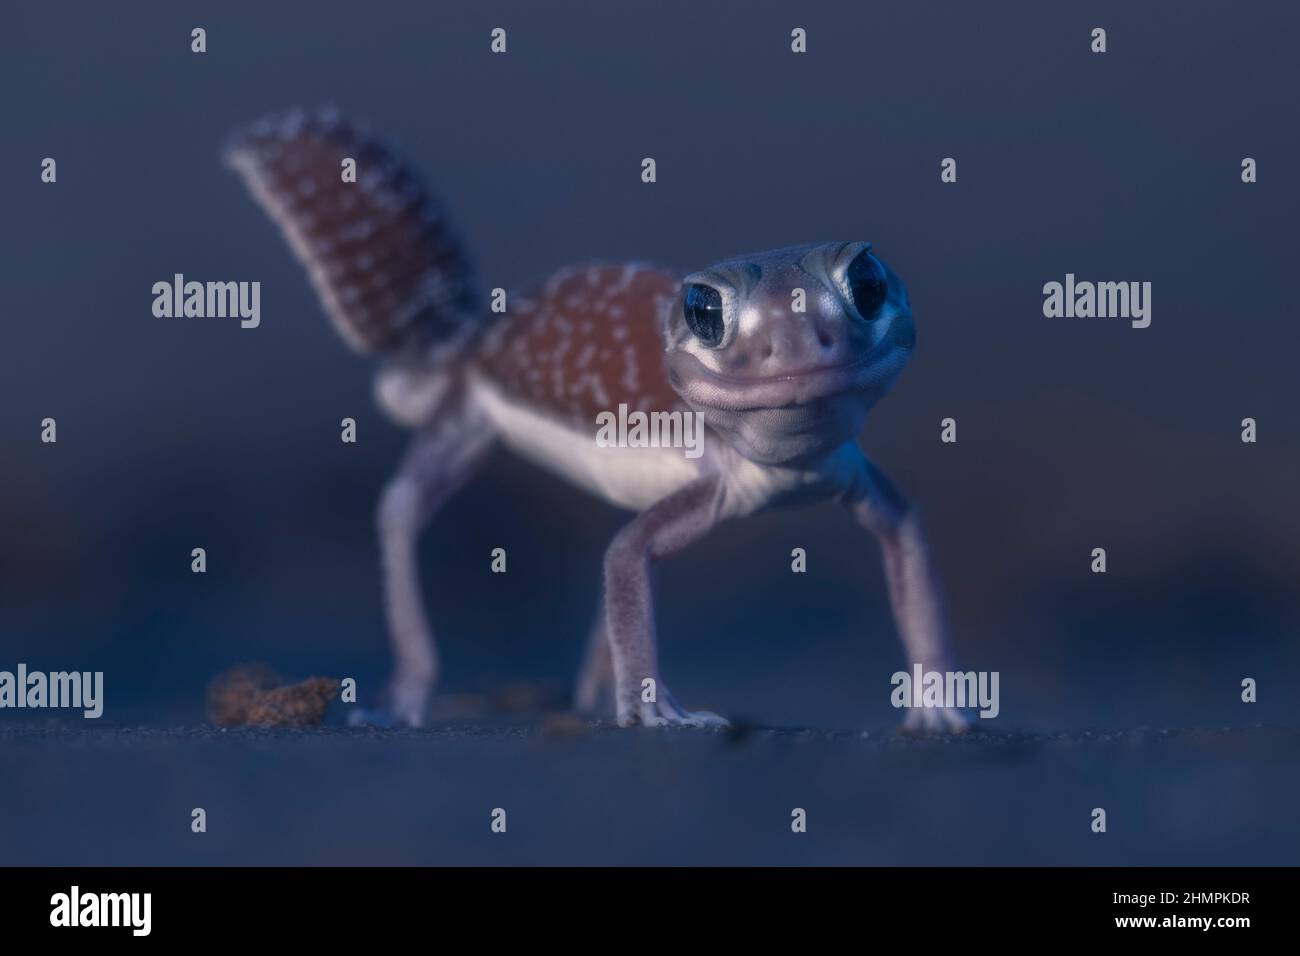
(785, 344)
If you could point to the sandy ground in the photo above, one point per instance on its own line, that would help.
(578, 793)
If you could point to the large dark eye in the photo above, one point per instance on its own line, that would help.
(703, 312)
(866, 278)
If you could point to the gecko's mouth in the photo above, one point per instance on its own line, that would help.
(699, 385)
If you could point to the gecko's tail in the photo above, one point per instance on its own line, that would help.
(389, 271)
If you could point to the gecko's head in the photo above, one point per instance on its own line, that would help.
(784, 352)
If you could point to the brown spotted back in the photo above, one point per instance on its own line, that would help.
(587, 341)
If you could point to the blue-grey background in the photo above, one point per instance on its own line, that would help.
(1073, 433)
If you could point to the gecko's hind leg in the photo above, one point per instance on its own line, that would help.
(596, 679)
(444, 455)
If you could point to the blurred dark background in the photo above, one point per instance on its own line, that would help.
(1073, 433)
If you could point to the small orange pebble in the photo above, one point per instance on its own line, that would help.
(253, 695)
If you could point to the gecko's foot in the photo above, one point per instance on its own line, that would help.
(935, 720)
(666, 712)
(406, 704)
(371, 717)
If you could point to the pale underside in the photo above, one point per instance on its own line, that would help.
(628, 477)
(636, 478)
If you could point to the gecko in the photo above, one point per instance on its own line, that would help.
(782, 394)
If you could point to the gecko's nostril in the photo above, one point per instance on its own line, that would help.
(767, 351)
(825, 340)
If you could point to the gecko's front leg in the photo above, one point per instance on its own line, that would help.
(914, 591)
(666, 528)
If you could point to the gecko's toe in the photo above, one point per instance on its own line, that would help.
(935, 720)
(371, 717)
(405, 704)
(705, 718)
(385, 717)
(666, 712)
